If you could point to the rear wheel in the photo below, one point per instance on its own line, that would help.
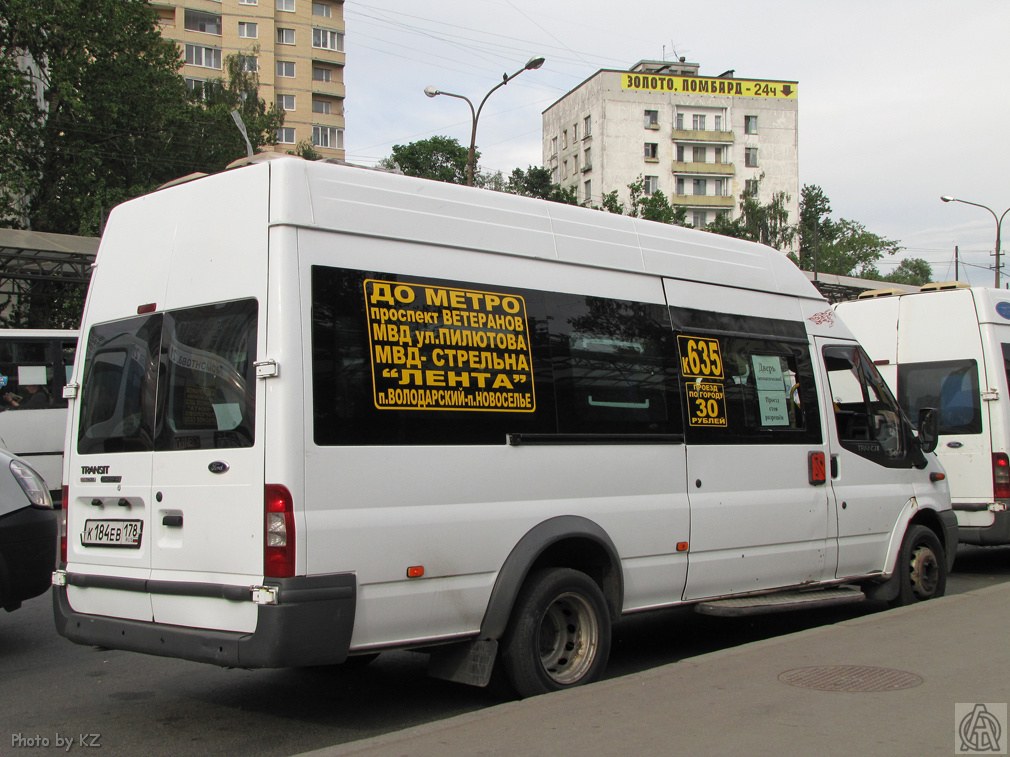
(922, 567)
(558, 635)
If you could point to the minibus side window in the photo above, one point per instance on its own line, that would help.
(119, 387)
(31, 374)
(867, 417)
(207, 384)
(615, 366)
(951, 386)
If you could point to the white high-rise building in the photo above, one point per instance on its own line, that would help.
(700, 140)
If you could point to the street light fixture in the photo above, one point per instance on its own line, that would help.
(999, 223)
(531, 64)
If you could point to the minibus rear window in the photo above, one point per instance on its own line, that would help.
(174, 381)
(951, 386)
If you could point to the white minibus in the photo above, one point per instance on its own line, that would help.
(322, 411)
(35, 365)
(948, 347)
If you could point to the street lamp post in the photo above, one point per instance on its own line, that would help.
(531, 64)
(999, 224)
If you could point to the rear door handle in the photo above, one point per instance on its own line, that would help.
(173, 521)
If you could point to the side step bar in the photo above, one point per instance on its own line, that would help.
(781, 602)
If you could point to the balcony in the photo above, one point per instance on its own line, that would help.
(690, 135)
(705, 169)
(704, 201)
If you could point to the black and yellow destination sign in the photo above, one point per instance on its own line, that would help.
(703, 85)
(442, 348)
(701, 360)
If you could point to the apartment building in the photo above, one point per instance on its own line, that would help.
(296, 47)
(700, 140)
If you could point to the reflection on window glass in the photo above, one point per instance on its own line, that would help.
(866, 415)
(951, 386)
(615, 368)
(207, 392)
(119, 385)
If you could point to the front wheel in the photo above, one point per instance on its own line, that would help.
(922, 568)
(558, 635)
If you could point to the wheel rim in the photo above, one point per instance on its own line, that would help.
(925, 572)
(568, 639)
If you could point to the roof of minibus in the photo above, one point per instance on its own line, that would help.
(375, 203)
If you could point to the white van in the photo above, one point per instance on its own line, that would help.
(948, 347)
(35, 365)
(325, 411)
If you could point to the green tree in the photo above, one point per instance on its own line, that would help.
(816, 226)
(612, 204)
(911, 271)
(767, 224)
(653, 207)
(438, 158)
(535, 181)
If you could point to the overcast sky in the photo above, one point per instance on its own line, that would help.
(900, 101)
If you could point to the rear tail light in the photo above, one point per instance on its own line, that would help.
(1000, 475)
(279, 535)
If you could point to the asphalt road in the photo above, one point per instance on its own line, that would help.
(134, 704)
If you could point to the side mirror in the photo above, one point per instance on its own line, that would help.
(929, 428)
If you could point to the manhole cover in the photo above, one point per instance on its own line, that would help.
(850, 678)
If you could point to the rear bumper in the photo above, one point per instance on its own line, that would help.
(997, 533)
(311, 624)
(28, 543)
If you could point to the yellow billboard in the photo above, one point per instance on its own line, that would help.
(703, 85)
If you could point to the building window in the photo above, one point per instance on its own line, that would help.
(717, 151)
(720, 190)
(321, 106)
(286, 102)
(680, 122)
(699, 219)
(286, 5)
(248, 2)
(575, 133)
(750, 124)
(554, 145)
(698, 122)
(326, 39)
(701, 187)
(680, 185)
(650, 185)
(750, 157)
(586, 126)
(286, 68)
(328, 136)
(698, 154)
(750, 187)
(651, 151)
(321, 9)
(248, 63)
(554, 175)
(286, 135)
(564, 139)
(208, 23)
(247, 30)
(320, 74)
(718, 123)
(652, 119)
(197, 85)
(589, 190)
(587, 157)
(208, 57)
(681, 157)
(285, 36)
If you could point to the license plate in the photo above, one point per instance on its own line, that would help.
(112, 533)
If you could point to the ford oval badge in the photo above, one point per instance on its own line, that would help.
(218, 466)
(955, 445)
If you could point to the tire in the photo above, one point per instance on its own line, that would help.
(921, 569)
(558, 635)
